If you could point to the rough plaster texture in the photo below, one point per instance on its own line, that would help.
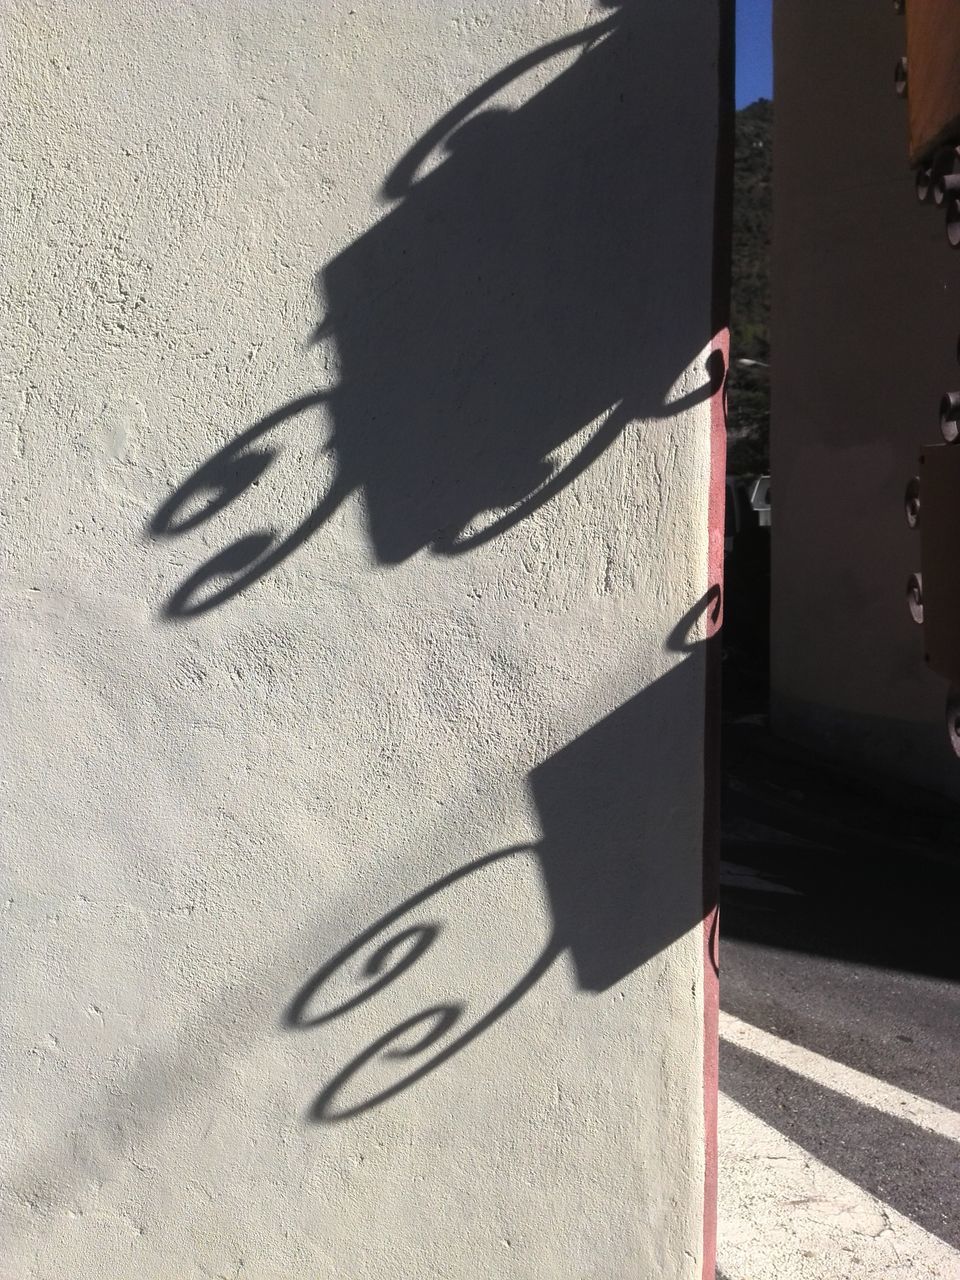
(358, 678)
(865, 293)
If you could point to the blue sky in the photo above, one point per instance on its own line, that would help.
(754, 51)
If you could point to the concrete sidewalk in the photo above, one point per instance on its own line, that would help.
(840, 1022)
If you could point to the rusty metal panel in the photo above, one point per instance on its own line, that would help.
(933, 74)
(940, 557)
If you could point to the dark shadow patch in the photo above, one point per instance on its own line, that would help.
(621, 870)
(537, 284)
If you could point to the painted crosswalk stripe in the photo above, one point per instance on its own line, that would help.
(854, 1084)
(786, 1216)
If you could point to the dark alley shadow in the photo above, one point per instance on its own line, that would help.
(863, 906)
(835, 865)
(620, 870)
(539, 283)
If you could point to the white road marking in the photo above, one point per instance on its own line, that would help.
(854, 1084)
(784, 1215)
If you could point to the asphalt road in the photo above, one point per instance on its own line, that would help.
(840, 1033)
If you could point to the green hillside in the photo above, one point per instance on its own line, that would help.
(749, 389)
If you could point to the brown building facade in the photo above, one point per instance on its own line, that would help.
(866, 311)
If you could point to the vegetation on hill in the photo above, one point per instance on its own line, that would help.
(748, 389)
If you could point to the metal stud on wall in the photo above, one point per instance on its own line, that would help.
(900, 77)
(933, 592)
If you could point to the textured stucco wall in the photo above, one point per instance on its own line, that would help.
(283, 673)
(865, 294)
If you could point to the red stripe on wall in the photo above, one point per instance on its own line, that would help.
(723, 212)
(711, 823)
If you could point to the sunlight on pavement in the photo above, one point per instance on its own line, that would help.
(859, 1086)
(786, 1216)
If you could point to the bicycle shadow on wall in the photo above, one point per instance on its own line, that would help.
(618, 869)
(540, 281)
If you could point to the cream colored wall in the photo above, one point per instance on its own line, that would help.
(865, 324)
(249, 725)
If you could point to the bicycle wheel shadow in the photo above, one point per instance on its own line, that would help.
(618, 875)
(536, 286)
